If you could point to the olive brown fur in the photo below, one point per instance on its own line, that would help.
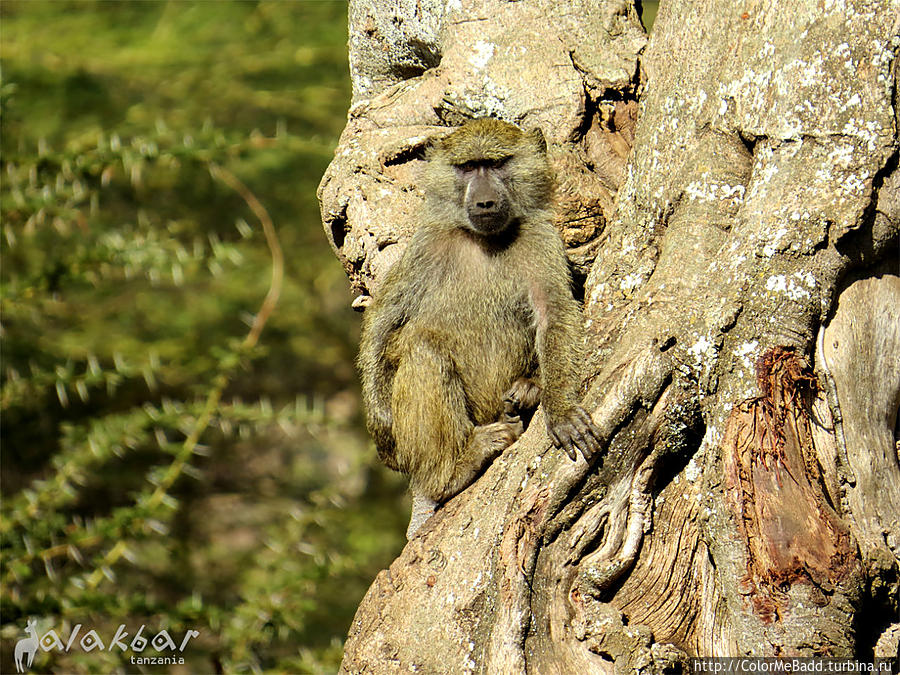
(476, 320)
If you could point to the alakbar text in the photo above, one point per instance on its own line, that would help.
(90, 641)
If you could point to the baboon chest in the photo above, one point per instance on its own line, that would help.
(479, 318)
(482, 299)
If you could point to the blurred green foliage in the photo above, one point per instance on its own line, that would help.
(157, 468)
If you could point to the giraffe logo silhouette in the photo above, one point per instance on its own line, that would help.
(26, 647)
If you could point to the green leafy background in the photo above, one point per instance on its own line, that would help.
(130, 276)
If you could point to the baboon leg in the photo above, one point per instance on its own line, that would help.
(437, 444)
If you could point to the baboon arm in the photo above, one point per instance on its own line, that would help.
(377, 380)
(381, 321)
(559, 350)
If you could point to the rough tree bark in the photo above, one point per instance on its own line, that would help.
(730, 200)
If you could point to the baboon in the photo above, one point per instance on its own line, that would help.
(476, 321)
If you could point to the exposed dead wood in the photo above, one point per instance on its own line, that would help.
(791, 533)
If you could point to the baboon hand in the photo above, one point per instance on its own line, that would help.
(523, 395)
(575, 431)
(485, 443)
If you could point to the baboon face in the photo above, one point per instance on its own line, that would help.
(488, 174)
(483, 184)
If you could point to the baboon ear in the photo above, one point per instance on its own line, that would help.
(435, 144)
(431, 146)
(537, 137)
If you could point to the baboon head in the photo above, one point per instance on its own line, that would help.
(489, 174)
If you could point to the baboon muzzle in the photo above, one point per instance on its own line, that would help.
(486, 204)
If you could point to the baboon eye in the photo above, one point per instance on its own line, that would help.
(475, 164)
(468, 166)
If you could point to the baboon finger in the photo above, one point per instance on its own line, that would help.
(515, 426)
(589, 432)
(509, 407)
(569, 441)
(579, 439)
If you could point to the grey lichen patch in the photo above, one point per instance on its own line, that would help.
(772, 87)
(401, 40)
(799, 186)
(800, 77)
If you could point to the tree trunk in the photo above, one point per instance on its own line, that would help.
(730, 201)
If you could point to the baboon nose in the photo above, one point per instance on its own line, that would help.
(485, 205)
